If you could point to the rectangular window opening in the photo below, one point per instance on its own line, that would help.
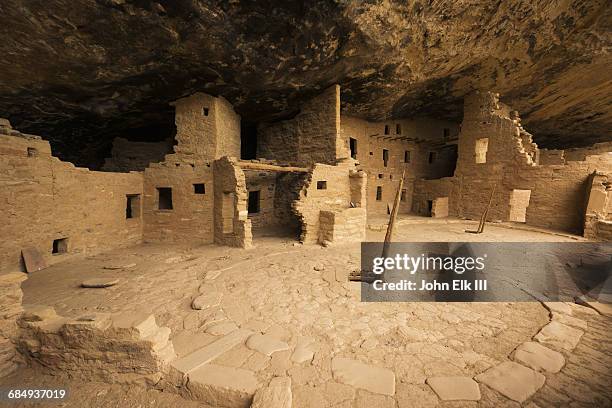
(60, 246)
(353, 147)
(199, 188)
(398, 129)
(378, 193)
(380, 175)
(205, 111)
(32, 152)
(432, 157)
(253, 203)
(385, 157)
(406, 156)
(164, 198)
(321, 185)
(132, 206)
(386, 129)
(403, 196)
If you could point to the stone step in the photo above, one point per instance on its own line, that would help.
(206, 354)
(143, 322)
(223, 386)
(159, 338)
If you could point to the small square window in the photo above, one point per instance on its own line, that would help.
(32, 152)
(205, 111)
(322, 185)
(199, 188)
(60, 246)
(380, 175)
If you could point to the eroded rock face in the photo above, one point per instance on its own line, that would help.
(81, 72)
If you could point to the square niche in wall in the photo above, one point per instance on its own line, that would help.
(321, 185)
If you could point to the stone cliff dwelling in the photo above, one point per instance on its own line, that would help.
(186, 189)
(321, 178)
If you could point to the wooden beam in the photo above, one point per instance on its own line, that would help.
(394, 211)
(271, 167)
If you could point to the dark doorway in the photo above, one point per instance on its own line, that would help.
(248, 140)
(132, 206)
(253, 205)
(353, 147)
(164, 198)
(429, 207)
(385, 157)
(60, 246)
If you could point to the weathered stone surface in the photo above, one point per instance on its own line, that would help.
(380, 46)
(207, 300)
(37, 313)
(368, 377)
(99, 282)
(221, 329)
(276, 395)
(559, 307)
(304, 350)
(266, 344)
(33, 260)
(538, 357)
(513, 380)
(559, 335)
(569, 320)
(223, 386)
(211, 351)
(455, 388)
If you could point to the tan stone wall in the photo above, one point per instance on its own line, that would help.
(336, 196)
(371, 140)
(207, 128)
(43, 198)
(231, 224)
(348, 225)
(10, 312)
(277, 190)
(313, 136)
(191, 217)
(135, 156)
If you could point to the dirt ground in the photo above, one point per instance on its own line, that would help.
(301, 293)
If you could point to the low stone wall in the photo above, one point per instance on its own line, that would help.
(347, 225)
(126, 347)
(10, 311)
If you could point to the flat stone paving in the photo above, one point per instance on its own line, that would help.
(299, 296)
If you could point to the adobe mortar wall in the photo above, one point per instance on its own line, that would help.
(44, 199)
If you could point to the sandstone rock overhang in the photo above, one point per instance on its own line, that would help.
(81, 72)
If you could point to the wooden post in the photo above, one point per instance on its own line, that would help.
(483, 218)
(391, 225)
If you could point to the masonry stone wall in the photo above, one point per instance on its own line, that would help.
(312, 136)
(191, 216)
(348, 225)
(598, 212)
(10, 312)
(127, 347)
(417, 137)
(277, 191)
(427, 191)
(135, 156)
(206, 127)
(326, 189)
(43, 199)
(232, 226)
(558, 186)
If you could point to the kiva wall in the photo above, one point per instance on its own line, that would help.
(43, 199)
